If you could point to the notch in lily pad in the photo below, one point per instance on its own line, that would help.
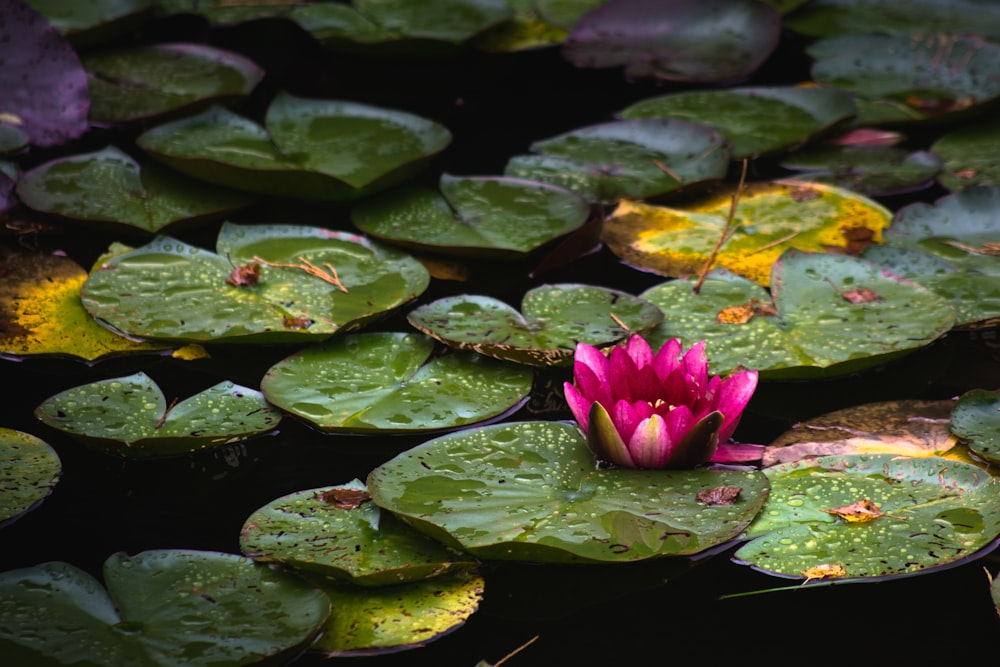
(552, 320)
(130, 417)
(480, 216)
(311, 149)
(386, 382)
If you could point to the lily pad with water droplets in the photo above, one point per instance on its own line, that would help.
(771, 217)
(874, 171)
(161, 608)
(827, 314)
(374, 620)
(976, 419)
(969, 152)
(41, 313)
(552, 320)
(108, 187)
(29, 470)
(950, 246)
(637, 158)
(388, 383)
(825, 18)
(339, 533)
(149, 81)
(702, 41)
(308, 149)
(929, 513)
(129, 416)
(265, 283)
(531, 491)
(757, 120)
(935, 75)
(503, 218)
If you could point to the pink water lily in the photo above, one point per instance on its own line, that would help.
(645, 410)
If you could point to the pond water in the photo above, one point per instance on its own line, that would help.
(495, 106)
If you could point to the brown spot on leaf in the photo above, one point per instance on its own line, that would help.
(297, 323)
(824, 571)
(743, 313)
(861, 295)
(862, 511)
(345, 499)
(857, 238)
(720, 495)
(803, 193)
(244, 276)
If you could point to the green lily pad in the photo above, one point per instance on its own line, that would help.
(638, 158)
(937, 75)
(162, 608)
(969, 152)
(703, 41)
(493, 217)
(400, 26)
(338, 532)
(531, 26)
(827, 314)
(110, 187)
(129, 416)
(930, 512)
(950, 247)
(757, 120)
(874, 171)
(770, 218)
(149, 81)
(976, 419)
(308, 148)
(824, 18)
(552, 320)
(530, 491)
(91, 22)
(266, 283)
(29, 470)
(388, 383)
(41, 313)
(371, 621)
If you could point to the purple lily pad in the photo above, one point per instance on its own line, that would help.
(44, 84)
(705, 41)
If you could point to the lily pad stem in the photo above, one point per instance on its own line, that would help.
(727, 231)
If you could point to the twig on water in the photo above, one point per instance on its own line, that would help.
(727, 231)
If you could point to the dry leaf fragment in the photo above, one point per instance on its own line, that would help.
(743, 313)
(803, 193)
(862, 511)
(861, 295)
(297, 323)
(244, 276)
(345, 499)
(823, 571)
(720, 495)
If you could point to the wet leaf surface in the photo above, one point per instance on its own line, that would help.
(976, 419)
(29, 470)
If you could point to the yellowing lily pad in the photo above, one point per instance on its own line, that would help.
(374, 620)
(771, 217)
(129, 416)
(906, 428)
(266, 283)
(41, 313)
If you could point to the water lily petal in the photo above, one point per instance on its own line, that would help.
(737, 452)
(650, 445)
(603, 438)
(622, 372)
(590, 357)
(640, 351)
(698, 443)
(626, 417)
(695, 363)
(591, 385)
(578, 404)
